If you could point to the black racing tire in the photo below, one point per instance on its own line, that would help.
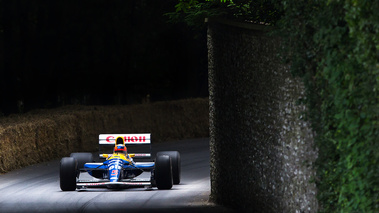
(176, 164)
(67, 174)
(163, 172)
(82, 158)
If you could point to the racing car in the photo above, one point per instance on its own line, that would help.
(119, 170)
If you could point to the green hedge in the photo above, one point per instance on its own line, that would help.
(334, 46)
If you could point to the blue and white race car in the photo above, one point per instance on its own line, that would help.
(119, 170)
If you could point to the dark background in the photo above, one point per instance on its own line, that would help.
(93, 52)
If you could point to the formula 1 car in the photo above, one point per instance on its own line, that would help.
(119, 170)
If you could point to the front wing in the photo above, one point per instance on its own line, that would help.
(146, 166)
(125, 182)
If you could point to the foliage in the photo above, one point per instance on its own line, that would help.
(194, 12)
(334, 46)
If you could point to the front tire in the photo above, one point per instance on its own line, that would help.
(163, 172)
(176, 164)
(67, 174)
(82, 158)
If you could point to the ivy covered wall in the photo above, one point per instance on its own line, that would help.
(334, 48)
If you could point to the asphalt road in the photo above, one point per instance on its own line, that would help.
(36, 188)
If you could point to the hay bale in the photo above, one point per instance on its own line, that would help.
(43, 135)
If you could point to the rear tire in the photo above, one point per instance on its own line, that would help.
(176, 164)
(163, 172)
(67, 174)
(82, 158)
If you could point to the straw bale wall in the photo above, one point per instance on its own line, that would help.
(43, 135)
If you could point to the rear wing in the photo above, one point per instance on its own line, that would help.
(129, 139)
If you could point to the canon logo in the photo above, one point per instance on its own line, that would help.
(111, 139)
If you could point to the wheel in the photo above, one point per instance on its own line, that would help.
(163, 172)
(82, 158)
(176, 164)
(67, 174)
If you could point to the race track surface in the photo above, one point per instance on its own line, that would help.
(36, 188)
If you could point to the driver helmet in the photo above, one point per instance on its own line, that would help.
(120, 149)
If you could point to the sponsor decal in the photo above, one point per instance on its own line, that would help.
(142, 155)
(114, 173)
(135, 183)
(116, 166)
(111, 139)
(93, 184)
